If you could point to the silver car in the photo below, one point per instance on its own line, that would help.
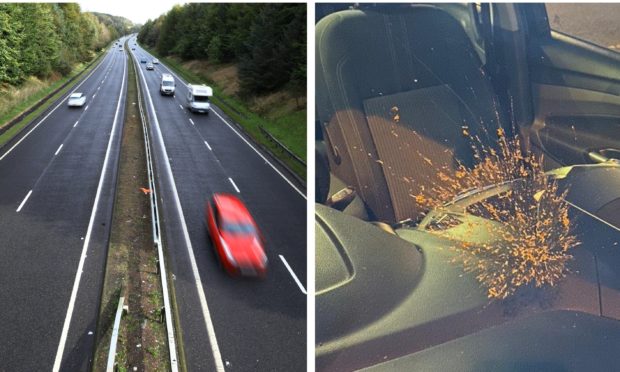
(76, 99)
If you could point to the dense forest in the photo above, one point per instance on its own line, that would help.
(266, 41)
(42, 39)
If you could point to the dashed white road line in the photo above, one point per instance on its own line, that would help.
(78, 274)
(57, 151)
(54, 109)
(235, 186)
(191, 121)
(247, 142)
(181, 107)
(23, 201)
(86, 108)
(76, 123)
(209, 147)
(301, 287)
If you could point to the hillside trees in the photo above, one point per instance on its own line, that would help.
(40, 39)
(266, 41)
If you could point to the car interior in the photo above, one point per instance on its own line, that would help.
(397, 87)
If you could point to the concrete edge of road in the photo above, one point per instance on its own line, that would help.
(178, 332)
(82, 75)
(265, 150)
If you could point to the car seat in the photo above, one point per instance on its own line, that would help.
(399, 90)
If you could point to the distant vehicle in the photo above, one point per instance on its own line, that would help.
(142, 60)
(149, 66)
(235, 236)
(167, 85)
(155, 61)
(76, 100)
(133, 48)
(198, 98)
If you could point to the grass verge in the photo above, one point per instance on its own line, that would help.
(290, 129)
(131, 266)
(38, 96)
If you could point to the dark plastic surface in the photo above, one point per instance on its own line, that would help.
(374, 305)
(553, 341)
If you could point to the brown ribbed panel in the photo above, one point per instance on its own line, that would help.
(416, 133)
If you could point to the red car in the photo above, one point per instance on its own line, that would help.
(235, 236)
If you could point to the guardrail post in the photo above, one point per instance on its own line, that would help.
(113, 341)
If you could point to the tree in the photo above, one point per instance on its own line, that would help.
(10, 40)
(39, 39)
(267, 41)
(270, 60)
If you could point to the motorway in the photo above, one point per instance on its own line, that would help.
(57, 185)
(226, 323)
(56, 195)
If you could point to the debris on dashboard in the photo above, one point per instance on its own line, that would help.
(530, 234)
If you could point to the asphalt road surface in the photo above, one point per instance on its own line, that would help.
(56, 196)
(227, 323)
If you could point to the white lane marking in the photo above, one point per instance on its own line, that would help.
(235, 186)
(215, 349)
(78, 274)
(86, 108)
(209, 147)
(23, 201)
(46, 116)
(76, 123)
(594, 216)
(191, 121)
(246, 141)
(94, 95)
(181, 107)
(57, 151)
(301, 287)
(261, 155)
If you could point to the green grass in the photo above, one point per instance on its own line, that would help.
(36, 97)
(289, 128)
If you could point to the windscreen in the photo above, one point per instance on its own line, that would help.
(239, 228)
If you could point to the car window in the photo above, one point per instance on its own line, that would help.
(238, 228)
(595, 23)
(201, 98)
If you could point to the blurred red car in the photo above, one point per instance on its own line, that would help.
(237, 240)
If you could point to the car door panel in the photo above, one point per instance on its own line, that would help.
(576, 95)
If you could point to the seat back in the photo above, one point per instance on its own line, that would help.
(397, 93)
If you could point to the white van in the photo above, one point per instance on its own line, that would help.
(198, 98)
(167, 85)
